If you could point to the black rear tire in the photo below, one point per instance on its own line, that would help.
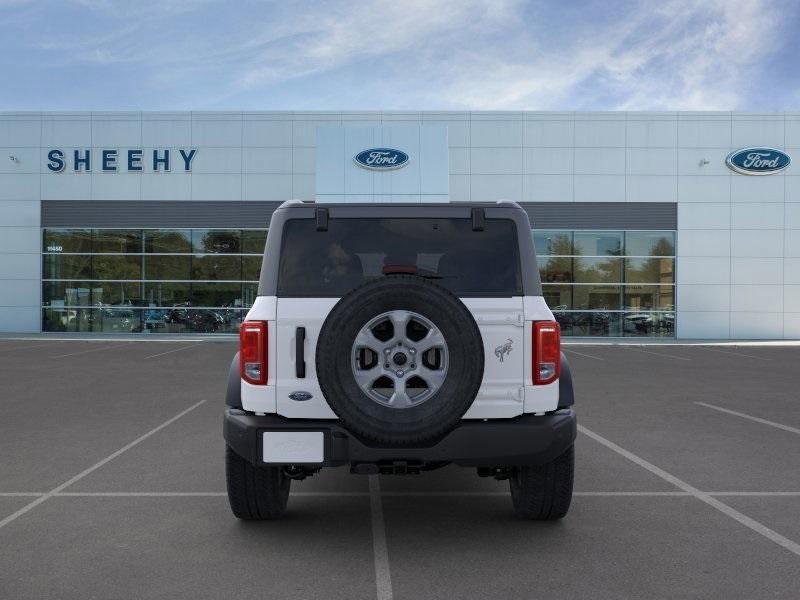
(255, 493)
(430, 419)
(544, 492)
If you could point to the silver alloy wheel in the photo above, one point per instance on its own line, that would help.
(401, 368)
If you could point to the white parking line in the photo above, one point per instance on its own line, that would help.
(194, 345)
(656, 353)
(751, 418)
(94, 467)
(91, 350)
(734, 514)
(380, 551)
(755, 494)
(740, 354)
(581, 354)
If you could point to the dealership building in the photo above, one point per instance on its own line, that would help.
(647, 225)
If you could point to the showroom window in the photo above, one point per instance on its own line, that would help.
(609, 283)
(149, 280)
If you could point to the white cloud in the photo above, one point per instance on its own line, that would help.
(323, 39)
(473, 54)
(684, 56)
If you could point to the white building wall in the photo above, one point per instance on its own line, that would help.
(738, 266)
(20, 232)
(424, 178)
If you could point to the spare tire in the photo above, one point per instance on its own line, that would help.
(400, 360)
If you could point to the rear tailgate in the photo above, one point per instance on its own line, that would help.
(502, 326)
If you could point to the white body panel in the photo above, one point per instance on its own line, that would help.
(293, 313)
(500, 321)
(505, 325)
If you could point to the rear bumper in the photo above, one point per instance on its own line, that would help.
(524, 440)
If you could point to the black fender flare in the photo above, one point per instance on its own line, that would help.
(566, 395)
(233, 394)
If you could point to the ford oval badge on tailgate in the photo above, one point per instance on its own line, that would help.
(300, 396)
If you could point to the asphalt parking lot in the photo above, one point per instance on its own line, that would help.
(112, 486)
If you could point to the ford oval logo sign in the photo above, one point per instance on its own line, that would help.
(758, 161)
(300, 396)
(381, 159)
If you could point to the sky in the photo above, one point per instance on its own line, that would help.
(400, 55)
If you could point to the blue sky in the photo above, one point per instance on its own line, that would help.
(400, 54)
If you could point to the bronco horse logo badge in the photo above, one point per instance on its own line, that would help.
(503, 349)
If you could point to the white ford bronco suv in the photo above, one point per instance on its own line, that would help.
(399, 338)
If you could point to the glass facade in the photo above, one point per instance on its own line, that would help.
(609, 283)
(597, 283)
(149, 280)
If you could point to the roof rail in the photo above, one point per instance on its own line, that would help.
(508, 203)
(295, 202)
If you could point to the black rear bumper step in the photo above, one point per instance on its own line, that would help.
(523, 440)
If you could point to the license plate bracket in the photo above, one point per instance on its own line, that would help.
(293, 447)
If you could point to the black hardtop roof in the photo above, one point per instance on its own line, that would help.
(298, 203)
(322, 211)
(301, 209)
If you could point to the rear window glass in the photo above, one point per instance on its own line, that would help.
(353, 251)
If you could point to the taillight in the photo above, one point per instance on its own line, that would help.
(253, 352)
(546, 352)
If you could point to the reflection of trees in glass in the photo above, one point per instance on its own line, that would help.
(253, 241)
(167, 267)
(597, 297)
(217, 294)
(221, 241)
(551, 243)
(113, 240)
(598, 270)
(560, 244)
(598, 243)
(654, 269)
(117, 267)
(556, 269)
(251, 268)
(640, 243)
(212, 267)
(67, 240)
(167, 240)
(67, 267)
(558, 297)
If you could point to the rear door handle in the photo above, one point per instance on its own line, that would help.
(299, 352)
